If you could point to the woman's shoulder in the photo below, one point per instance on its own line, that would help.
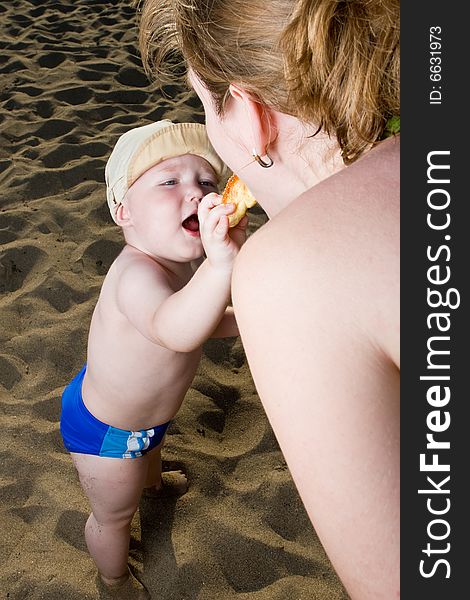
(353, 209)
(338, 242)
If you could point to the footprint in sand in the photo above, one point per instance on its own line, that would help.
(16, 264)
(9, 374)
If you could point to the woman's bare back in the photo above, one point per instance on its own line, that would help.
(327, 365)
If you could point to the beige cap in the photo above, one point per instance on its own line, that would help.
(141, 148)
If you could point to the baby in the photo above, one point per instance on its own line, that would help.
(153, 314)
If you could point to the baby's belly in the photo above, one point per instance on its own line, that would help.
(139, 395)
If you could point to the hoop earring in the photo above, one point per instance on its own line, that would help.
(261, 162)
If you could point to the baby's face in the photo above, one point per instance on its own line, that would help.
(162, 206)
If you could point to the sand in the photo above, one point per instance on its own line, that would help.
(71, 82)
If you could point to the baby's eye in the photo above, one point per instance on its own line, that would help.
(208, 183)
(169, 182)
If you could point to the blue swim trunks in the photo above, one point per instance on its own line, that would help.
(84, 433)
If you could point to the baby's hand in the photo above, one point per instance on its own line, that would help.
(220, 244)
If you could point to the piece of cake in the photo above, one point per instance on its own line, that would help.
(237, 193)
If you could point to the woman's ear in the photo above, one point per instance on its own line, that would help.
(123, 217)
(259, 118)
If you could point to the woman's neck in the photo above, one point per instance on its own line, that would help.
(301, 160)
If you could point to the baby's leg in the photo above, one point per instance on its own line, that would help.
(157, 483)
(113, 487)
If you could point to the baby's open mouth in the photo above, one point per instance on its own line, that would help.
(191, 223)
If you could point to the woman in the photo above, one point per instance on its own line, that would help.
(297, 97)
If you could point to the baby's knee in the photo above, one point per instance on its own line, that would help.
(113, 518)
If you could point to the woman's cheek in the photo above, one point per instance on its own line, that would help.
(220, 140)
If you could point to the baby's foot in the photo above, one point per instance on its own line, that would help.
(173, 483)
(126, 587)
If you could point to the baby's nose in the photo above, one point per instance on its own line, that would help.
(194, 194)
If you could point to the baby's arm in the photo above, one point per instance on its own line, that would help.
(187, 318)
(183, 320)
(227, 326)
